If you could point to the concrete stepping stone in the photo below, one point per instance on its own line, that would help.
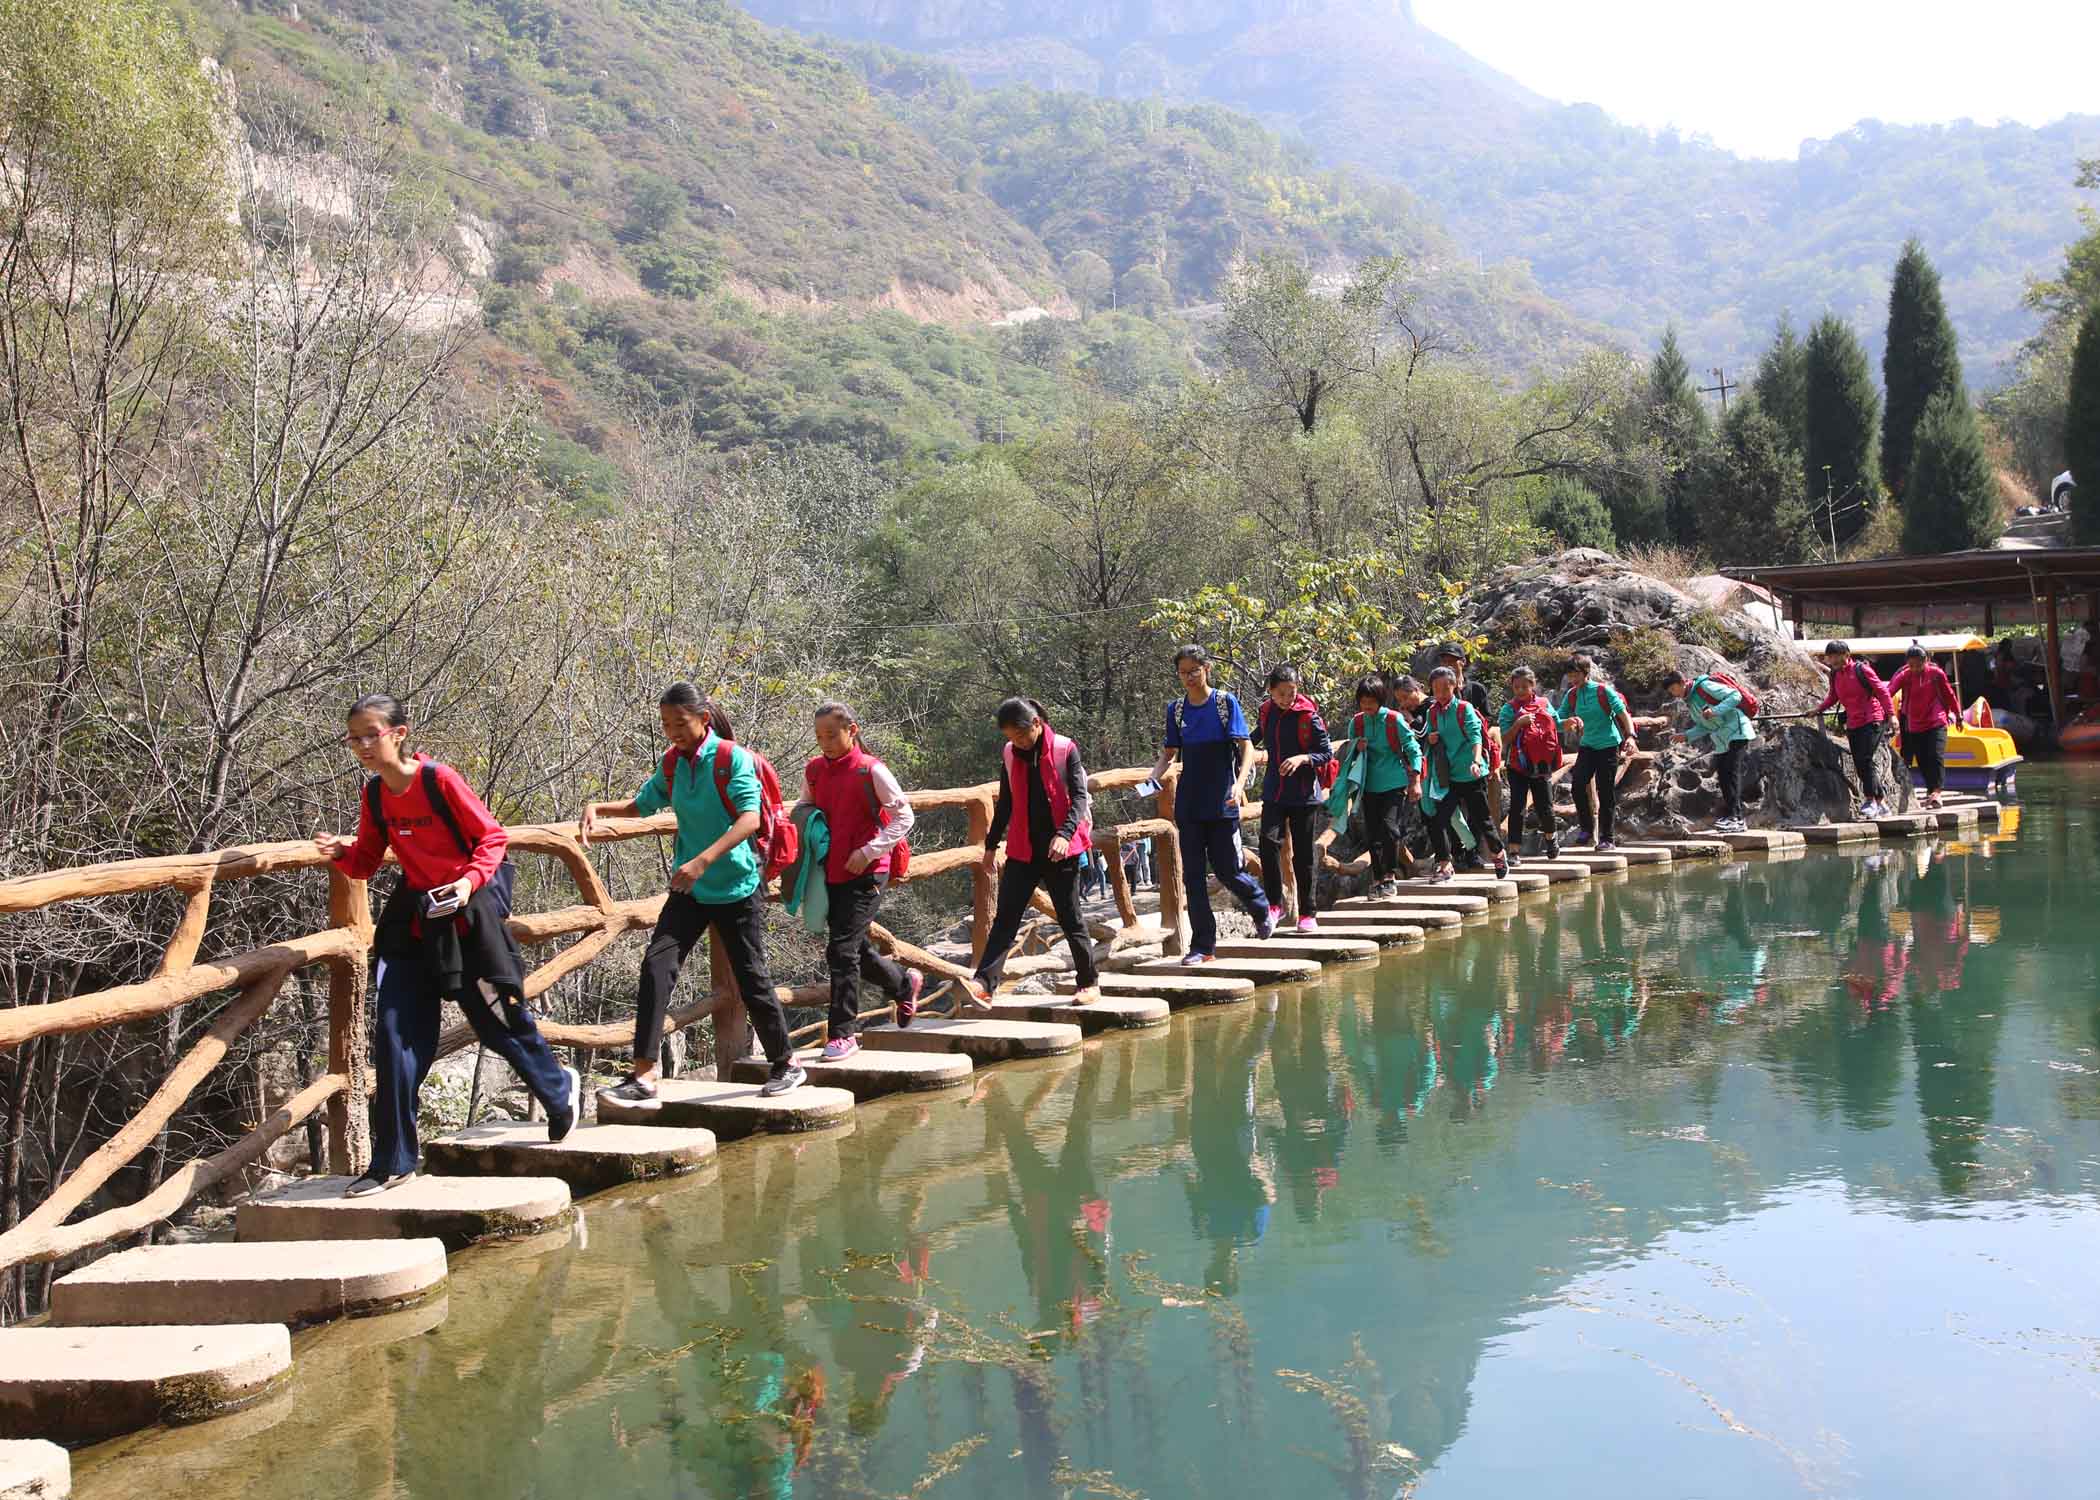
(1595, 863)
(81, 1385)
(31, 1469)
(1956, 819)
(1837, 833)
(590, 1159)
(1644, 854)
(1109, 1013)
(1181, 989)
(1259, 970)
(984, 1041)
(457, 1210)
(295, 1283)
(1765, 840)
(1442, 900)
(1498, 891)
(1554, 871)
(735, 1110)
(1708, 846)
(1387, 930)
(1331, 948)
(870, 1074)
(1907, 825)
(1413, 916)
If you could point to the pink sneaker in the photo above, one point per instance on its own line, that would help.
(1307, 924)
(839, 1048)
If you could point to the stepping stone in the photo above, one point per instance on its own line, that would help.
(1109, 1013)
(1392, 931)
(1188, 987)
(870, 1074)
(1644, 854)
(1499, 892)
(590, 1159)
(31, 1469)
(457, 1210)
(979, 1040)
(1837, 833)
(1714, 846)
(1957, 819)
(294, 1283)
(1443, 900)
(1413, 916)
(1765, 840)
(1907, 825)
(1260, 970)
(1561, 871)
(735, 1110)
(1329, 949)
(81, 1385)
(1595, 863)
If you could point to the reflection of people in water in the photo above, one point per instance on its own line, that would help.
(1953, 1035)
(1056, 1205)
(1873, 971)
(1939, 927)
(1733, 960)
(1230, 1192)
(1317, 1101)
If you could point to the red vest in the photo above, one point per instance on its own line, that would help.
(844, 792)
(1056, 751)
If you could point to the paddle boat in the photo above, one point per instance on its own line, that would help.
(2082, 735)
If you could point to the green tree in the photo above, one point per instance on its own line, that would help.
(1571, 513)
(690, 272)
(1751, 500)
(1678, 423)
(1920, 362)
(1781, 384)
(2082, 430)
(1843, 415)
(1089, 278)
(1953, 503)
(1145, 289)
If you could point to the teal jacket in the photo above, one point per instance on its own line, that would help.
(802, 887)
(1461, 747)
(1720, 721)
(1598, 705)
(1385, 768)
(703, 817)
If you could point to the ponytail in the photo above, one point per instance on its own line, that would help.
(1019, 713)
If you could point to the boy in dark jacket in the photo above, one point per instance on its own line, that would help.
(1290, 729)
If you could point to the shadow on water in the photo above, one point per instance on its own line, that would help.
(1775, 1156)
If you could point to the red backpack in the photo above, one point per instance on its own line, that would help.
(1535, 749)
(900, 852)
(777, 841)
(1749, 703)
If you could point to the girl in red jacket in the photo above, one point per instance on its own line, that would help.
(868, 816)
(1929, 706)
(442, 936)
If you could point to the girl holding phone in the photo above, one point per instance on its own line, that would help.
(441, 937)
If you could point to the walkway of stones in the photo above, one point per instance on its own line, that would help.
(178, 1333)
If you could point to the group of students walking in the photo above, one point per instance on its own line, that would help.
(1408, 750)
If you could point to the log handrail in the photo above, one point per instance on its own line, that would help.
(596, 923)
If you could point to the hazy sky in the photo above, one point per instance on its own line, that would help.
(1762, 77)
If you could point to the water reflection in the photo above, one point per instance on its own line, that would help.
(1603, 1141)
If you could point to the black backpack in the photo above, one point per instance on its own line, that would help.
(434, 792)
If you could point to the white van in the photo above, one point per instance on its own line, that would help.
(2060, 491)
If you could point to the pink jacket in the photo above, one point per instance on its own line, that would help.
(1928, 697)
(1860, 689)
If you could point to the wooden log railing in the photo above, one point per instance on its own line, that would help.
(257, 976)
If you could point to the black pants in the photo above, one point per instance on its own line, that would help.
(740, 927)
(404, 1045)
(1866, 745)
(1601, 768)
(1927, 750)
(1473, 797)
(850, 957)
(1728, 768)
(1538, 790)
(1019, 880)
(1385, 816)
(1301, 822)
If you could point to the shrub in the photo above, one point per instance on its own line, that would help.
(1645, 656)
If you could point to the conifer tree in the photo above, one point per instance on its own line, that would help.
(2082, 431)
(1920, 362)
(1953, 501)
(1751, 501)
(1781, 384)
(1843, 412)
(1677, 421)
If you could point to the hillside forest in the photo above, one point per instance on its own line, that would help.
(416, 346)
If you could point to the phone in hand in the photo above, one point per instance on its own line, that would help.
(442, 902)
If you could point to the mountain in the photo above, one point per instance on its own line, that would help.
(1625, 228)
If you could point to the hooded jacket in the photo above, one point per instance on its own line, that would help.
(1297, 730)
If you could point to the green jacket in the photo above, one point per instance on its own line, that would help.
(1386, 769)
(1721, 722)
(802, 887)
(1598, 705)
(702, 818)
(1460, 750)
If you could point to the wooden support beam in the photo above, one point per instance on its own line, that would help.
(349, 982)
(982, 888)
(2056, 660)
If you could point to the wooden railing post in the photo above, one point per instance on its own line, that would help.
(1166, 864)
(349, 1128)
(733, 1034)
(982, 891)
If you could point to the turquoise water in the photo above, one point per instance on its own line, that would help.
(1765, 1179)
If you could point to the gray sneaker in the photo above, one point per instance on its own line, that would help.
(633, 1092)
(786, 1076)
